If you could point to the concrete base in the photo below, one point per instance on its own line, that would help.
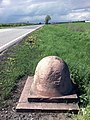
(29, 102)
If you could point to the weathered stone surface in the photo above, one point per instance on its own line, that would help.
(51, 88)
(52, 78)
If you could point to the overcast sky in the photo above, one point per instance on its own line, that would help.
(36, 10)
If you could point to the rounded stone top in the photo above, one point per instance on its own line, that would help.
(52, 78)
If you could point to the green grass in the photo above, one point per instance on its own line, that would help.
(70, 42)
(84, 114)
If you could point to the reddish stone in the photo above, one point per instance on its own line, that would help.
(52, 78)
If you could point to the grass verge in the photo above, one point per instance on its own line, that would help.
(71, 42)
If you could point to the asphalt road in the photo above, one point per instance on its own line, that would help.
(10, 36)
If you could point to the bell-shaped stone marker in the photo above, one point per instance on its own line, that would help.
(50, 89)
(52, 78)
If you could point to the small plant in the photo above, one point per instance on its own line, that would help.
(84, 114)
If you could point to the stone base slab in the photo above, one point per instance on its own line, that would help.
(29, 102)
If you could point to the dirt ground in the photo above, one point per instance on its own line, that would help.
(8, 112)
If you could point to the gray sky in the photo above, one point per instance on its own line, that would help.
(36, 10)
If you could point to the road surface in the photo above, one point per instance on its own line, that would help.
(10, 36)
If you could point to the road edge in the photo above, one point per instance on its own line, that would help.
(18, 39)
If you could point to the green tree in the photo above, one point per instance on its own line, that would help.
(47, 18)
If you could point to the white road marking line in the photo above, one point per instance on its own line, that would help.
(16, 40)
